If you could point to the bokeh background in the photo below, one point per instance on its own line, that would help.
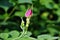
(45, 19)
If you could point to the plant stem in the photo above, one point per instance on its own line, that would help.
(9, 14)
(24, 29)
(20, 35)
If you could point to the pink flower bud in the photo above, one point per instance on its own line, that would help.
(28, 13)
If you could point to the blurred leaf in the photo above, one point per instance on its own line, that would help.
(20, 1)
(22, 11)
(4, 35)
(26, 38)
(22, 8)
(58, 12)
(6, 30)
(35, 10)
(45, 1)
(20, 14)
(25, 1)
(13, 1)
(10, 39)
(44, 15)
(59, 39)
(50, 6)
(14, 34)
(53, 31)
(56, 6)
(36, 32)
(45, 36)
(28, 34)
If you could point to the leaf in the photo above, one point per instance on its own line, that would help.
(35, 9)
(59, 39)
(56, 6)
(25, 1)
(10, 39)
(45, 36)
(20, 1)
(28, 34)
(22, 8)
(44, 15)
(20, 14)
(22, 11)
(53, 31)
(27, 38)
(13, 1)
(14, 34)
(5, 4)
(58, 12)
(4, 35)
(45, 1)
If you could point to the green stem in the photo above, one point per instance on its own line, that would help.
(20, 35)
(24, 29)
(9, 14)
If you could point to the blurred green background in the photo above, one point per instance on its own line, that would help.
(45, 19)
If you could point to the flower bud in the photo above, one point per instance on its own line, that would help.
(28, 13)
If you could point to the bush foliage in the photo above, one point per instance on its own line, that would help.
(44, 24)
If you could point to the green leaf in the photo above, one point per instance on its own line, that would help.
(10, 39)
(58, 12)
(44, 15)
(45, 1)
(59, 39)
(13, 1)
(53, 31)
(20, 1)
(28, 34)
(20, 14)
(22, 8)
(56, 6)
(24, 1)
(14, 34)
(22, 11)
(26, 38)
(4, 35)
(35, 10)
(45, 36)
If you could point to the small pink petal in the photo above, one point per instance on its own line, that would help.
(28, 13)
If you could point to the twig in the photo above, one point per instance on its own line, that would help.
(9, 14)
